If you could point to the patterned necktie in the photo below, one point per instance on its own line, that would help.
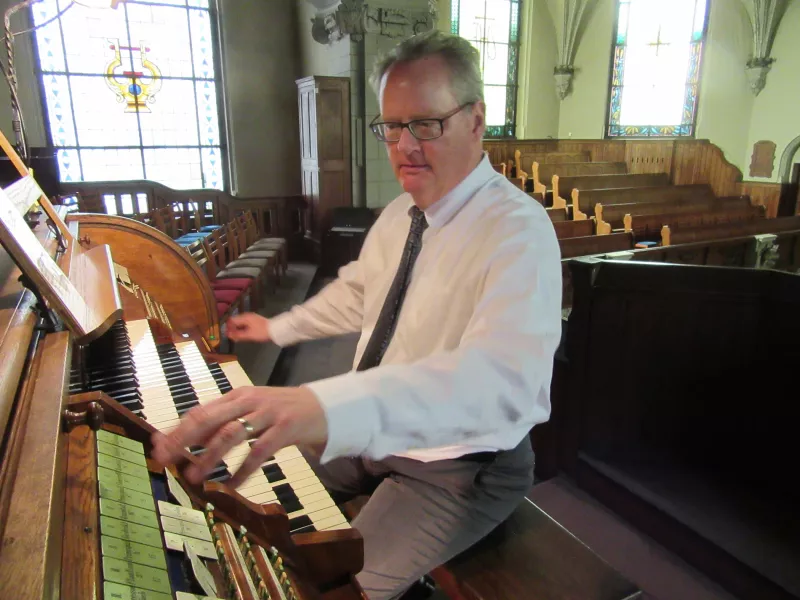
(384, 328)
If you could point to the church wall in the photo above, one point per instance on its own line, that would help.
(726, 102)
(260, 68)
(775, 111)
(538, 105)
(583, 111)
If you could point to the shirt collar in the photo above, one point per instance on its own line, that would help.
(440, 212)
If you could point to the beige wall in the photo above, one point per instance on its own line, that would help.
(538, 105)
(260, 68)
(776, 110)
(583, 112)
(725, 102)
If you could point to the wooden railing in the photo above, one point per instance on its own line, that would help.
(283, 216)
(686, 162)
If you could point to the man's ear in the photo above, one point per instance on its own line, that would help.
(479, 116)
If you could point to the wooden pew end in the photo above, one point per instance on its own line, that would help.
(627, 222)
(665, 236)
(601, 226)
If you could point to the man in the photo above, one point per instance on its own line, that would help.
(457, 294)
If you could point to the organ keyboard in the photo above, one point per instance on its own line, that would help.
(160, 382)
(57, 488)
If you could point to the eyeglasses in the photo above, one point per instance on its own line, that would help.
(422, 129)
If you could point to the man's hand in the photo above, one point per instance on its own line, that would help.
(248, 327)
(280, 417)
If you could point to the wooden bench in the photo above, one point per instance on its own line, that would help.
(596, 244)
(648, 218)
(543, 172)
(570, 229)
(686, 234)
(557, 215)
(531, 556)
(521, 160)
(583, 201)
(563, 185)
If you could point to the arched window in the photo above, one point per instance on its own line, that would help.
(656, 67)
(492, 26)
(131, 92)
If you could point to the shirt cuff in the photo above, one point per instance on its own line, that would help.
(352, 419)
(281, 331)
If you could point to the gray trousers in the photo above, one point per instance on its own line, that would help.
(420, 515)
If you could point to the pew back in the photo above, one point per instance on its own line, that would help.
(570, 229)
(583, 202)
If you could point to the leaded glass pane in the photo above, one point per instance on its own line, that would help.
(69, 167)
(89, 35)
(495, 64)
(48, 38)
(207, 113)
(656, 66)
(59, 110)
(202, 43)
(495, 97)
(199, 3)
(164, 33)
(175, 167)
(169, 119)
(212, 167)
(102, 118)
(111, 164)
(492, 26)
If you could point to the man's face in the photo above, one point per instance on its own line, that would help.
(431, 168)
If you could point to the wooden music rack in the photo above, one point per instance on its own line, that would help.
(82, 293)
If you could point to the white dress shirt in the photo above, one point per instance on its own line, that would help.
(470, 363)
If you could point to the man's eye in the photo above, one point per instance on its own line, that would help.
(392, 126)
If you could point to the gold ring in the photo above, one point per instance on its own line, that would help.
(247, 427)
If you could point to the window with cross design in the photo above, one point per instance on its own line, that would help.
(492, 26)
(656, 68)
(132, 92)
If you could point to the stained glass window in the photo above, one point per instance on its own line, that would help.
(656, 68)
(131, 93)
(492, 26)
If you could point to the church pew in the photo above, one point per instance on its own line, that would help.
(595, 244)
(558, 215)
(570, 229)
(563, 184)
(542, 173)
(583, 201)
(523, 162)
(646, 220)
(685, 235)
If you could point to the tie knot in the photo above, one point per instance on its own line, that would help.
(418, 221)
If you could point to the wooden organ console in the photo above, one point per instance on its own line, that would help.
(84, 512)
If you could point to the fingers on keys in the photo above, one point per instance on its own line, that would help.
(272, 440)
(228, 436)
(201, 423)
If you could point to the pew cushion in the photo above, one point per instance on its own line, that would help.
(209, 228)
(239, 272)
(222, 308)
(231, 284)
(227, 296)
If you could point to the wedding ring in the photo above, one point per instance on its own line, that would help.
(247, 427)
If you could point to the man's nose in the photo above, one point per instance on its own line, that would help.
(407, 142)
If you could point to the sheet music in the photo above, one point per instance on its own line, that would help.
(41, 269)
(23, 193)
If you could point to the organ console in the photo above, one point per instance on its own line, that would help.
(84, 512)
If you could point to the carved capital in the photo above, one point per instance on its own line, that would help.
(757, 78)
(356, 18)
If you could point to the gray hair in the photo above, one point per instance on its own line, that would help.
(462, 59)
